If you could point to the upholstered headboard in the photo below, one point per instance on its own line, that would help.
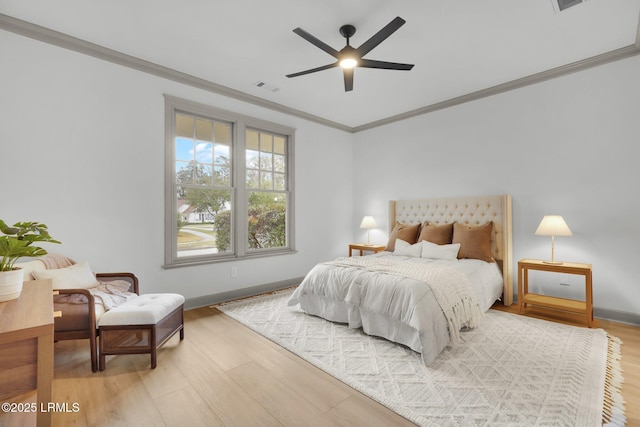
(467, 210)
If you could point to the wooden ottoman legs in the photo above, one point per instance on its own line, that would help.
(139, 339)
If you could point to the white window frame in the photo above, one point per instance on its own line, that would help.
(239, 192)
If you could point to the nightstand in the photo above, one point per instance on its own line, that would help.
(584, 308)
(364, 247)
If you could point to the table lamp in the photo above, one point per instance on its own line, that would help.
(553, 225)
(368, 222)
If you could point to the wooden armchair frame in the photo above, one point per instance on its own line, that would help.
(82, 324)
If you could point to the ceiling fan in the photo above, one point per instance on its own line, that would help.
(348, 57)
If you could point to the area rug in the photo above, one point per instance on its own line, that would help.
(510, 371)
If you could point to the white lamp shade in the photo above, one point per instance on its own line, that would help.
(368, 222)
(553, 225)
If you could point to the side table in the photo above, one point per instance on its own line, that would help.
(364, 247)
(525, 297)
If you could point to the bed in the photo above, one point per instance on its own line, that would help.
(419, 294)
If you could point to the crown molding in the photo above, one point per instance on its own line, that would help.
(594, 61)
(65, 41)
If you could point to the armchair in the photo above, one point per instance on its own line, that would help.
(78, 321)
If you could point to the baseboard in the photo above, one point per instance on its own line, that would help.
(212, 299)
(617, 316)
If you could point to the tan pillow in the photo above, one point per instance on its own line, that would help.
(438, 234)
(408, 233)
(475, 242)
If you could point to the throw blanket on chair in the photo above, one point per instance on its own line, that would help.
(109, 294)
(451, 288)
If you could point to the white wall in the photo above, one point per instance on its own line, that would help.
(566, 146)
(82, 150)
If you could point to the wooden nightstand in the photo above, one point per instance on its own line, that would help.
(584, 308)
(364, 247)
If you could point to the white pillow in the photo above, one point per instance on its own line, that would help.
(431, 250)
(77, 276)
(29, 267)
(407, 249)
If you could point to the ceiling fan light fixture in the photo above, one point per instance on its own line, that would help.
(349, 57)
(348, 63)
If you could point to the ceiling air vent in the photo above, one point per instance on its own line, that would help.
(266, 85)
(560, 5)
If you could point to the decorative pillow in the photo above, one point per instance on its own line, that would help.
(29, 267)
(475, 242)
(78, 276)
(407, 249)
(408, 233)
(431, 250)
(438, 234)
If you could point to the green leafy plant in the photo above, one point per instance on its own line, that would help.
(17, 242)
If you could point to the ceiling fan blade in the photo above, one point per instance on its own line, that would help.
(380, 36)
(348, 79)
(315, 41)
(370, 63)
(313, 70)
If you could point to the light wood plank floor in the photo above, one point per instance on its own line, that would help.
(224, 374)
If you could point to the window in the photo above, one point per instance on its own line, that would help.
(229, 185)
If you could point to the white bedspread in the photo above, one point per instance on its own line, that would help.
(396, 297)
(450, 287)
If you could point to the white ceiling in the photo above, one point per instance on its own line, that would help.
(458, 47)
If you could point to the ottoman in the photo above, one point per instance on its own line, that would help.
(140, 325)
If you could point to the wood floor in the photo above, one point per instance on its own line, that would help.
(224, 374)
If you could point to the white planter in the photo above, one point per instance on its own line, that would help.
(11, 284)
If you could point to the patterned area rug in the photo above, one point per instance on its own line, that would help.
(510, 371)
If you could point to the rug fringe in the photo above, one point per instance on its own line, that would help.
(613, 410)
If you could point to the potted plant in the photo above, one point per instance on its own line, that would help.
(17, 242)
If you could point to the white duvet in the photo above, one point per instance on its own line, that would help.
(401, 298)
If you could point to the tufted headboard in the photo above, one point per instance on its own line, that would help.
(466, 210)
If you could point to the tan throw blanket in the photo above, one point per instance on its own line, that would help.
(450, 287)
(55, 261)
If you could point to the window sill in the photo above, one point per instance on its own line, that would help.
(252, 255)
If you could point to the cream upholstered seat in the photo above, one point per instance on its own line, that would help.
(140, 325)
(142, 310)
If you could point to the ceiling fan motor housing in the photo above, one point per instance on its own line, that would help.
(347, 31)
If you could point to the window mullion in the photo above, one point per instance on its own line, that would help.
(239, 179)
(170, 252)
